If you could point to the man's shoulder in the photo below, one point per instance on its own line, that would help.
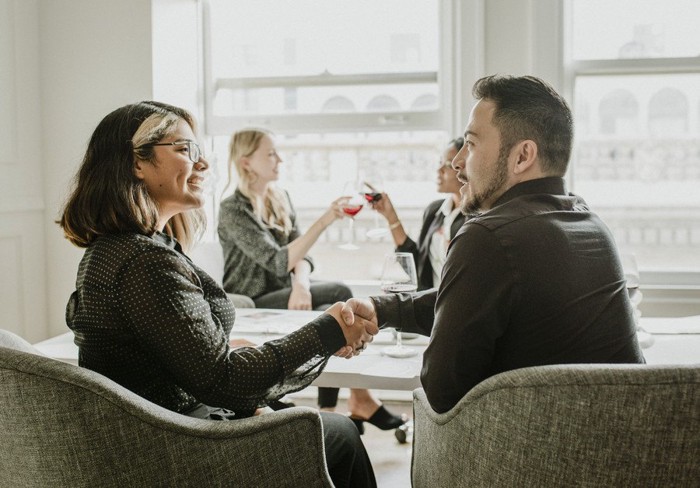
(522, 209)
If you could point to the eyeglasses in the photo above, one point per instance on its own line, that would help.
(193, 150)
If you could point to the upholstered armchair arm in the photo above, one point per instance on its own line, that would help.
(77, 428)
(241, 301)
(567, 425)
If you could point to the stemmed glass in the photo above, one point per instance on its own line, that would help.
(372, 188)
(629, 267)
(399, 276)
(353, 190)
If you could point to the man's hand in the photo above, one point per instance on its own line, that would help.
(363, 309)
(358, 333)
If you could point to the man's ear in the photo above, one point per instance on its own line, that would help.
(526, 153)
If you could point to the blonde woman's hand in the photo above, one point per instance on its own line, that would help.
(299, 298)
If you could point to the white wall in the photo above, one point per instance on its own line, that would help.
(64, 64)
(95, 56)
(22, 265)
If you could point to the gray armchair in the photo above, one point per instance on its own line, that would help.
(568, 425)
(61, 425)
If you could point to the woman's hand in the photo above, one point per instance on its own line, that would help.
(385, 208)
(236, 343)
(300, 298)
(335, 211)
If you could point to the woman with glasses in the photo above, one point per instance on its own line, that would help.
(441, 221)
(148, 318)
(266, 258)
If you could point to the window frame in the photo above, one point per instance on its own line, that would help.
(657, 282)
(406, 120)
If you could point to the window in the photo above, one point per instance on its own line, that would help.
(294, 66)
(634, 69)
(348, 88)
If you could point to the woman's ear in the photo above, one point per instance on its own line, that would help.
(526, 156)
(138, 168)
(245, 162)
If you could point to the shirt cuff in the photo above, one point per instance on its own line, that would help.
(387, 308)
(329, 332)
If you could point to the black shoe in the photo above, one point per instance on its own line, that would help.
(382, 419)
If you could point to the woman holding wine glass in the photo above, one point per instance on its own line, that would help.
(265, 254)
(441, 221)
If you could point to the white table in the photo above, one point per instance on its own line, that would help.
(370, 369)
(373, 370)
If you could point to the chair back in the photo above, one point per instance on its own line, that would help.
(209, 256)
(565, 425)
(63, 425)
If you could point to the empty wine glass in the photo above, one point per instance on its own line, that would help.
(353, 190)
(399, 276)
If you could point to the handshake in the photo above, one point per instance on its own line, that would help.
(358, 321)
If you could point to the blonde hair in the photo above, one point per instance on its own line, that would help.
(107, 197)
(273, 208)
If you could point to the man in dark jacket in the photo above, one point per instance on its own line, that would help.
(534, 276)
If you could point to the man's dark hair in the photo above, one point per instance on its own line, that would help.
(529, 108)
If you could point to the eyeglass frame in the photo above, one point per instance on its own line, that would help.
(184, 142)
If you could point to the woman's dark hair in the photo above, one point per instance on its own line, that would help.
(457, 143)
(529, 108)
(107, 197)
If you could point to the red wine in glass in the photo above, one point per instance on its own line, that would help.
(352, 210)
(351, 207)
(372, 196)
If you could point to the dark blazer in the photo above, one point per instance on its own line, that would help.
(432, 220)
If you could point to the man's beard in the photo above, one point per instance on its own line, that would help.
(472, 205)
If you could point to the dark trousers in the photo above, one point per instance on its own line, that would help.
(323, 295)
(347, 459)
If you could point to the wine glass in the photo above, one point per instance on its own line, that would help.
(399, 276)
(353, 190)
(629, 267)
(372, 191)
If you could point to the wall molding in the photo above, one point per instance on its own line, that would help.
(8, 84)
(12, 298)
(22, 205)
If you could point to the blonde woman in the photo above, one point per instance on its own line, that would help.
(266, 257)
(145, 316)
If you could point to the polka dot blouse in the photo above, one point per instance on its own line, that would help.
(148, 318)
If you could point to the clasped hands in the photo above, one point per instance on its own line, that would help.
(358, 321)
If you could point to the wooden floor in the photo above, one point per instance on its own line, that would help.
(390, 459)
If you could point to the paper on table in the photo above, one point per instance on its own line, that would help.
(373, 363)
(671, 325)
(256, 321)
(392, 368)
